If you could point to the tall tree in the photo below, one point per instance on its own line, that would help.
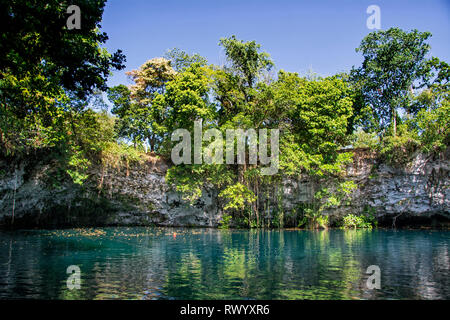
(393, 61)
(245, 62)
(36, 41)
(180, 59)
(134, 105)
(44, 65)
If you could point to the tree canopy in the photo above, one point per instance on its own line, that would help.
(395, 63)
(52, 78)
(395, 92)
(47, 69)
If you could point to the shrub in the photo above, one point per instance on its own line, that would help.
(352, 221)
(397, 150)
(362, 139)
(314, 220)
(225, 223)
(434, 128)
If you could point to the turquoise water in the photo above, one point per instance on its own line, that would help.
(164, 263)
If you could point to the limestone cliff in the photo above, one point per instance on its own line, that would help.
(415, 194)
(32, 194)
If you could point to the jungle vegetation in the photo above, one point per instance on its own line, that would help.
(53, 89)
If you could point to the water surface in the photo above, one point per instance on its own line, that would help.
(165, 263)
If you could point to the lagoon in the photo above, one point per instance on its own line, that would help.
(171, 263)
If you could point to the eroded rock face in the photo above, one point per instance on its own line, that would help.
(418, 191)
(139, 195)
(134, 196)
(414, 194)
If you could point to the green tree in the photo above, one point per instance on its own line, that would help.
(133, 120)
(186, 100)
(35, 41)
(44, 66)
(394, 60)
(181, 60)
(138, 117)
(245, 64)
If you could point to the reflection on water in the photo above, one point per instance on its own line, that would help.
(157, 263)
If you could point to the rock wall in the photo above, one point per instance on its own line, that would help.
(31, 191)
(415, 194)
(418, 192)
(137, 195)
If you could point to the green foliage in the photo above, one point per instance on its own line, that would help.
(318, 113)
(362, 139)
(314, 220)
(312, 115)
(137, 107)
(116, 155)
(185, 100)
(245, 59)
(393, 61)
(190, 180)
(35, 41)
(352, 221)
(78, 166)
(398, 149)
(236, 197)
(180, 60)
(43, 66)
(320, 118)
(313, 216)
(161, 101)
(226, 221)
(407, 93)
(133, 121)
(92, 139)
(334, 195)
(434, 128)
(50, 79)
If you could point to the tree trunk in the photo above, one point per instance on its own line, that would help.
(394, 121)
(151, 142)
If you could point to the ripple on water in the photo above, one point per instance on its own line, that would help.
(175, 263)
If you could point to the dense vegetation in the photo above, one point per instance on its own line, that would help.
(52, 82)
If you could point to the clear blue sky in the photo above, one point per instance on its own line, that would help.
(298, 34)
